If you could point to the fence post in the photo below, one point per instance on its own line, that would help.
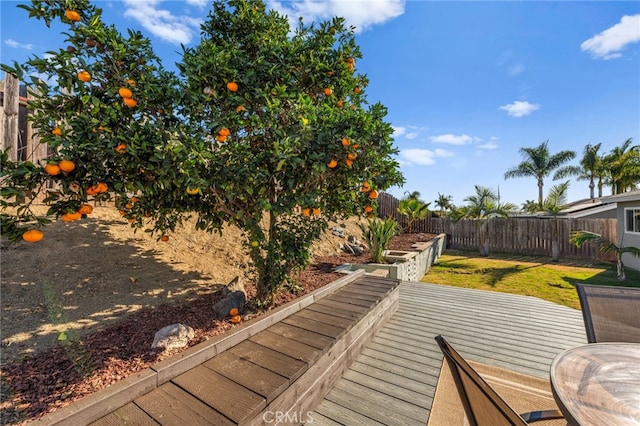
(9, 118)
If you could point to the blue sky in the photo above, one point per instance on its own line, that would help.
(467, 84)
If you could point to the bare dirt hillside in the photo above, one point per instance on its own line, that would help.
(86, 274)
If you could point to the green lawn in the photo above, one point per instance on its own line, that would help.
(528, 275)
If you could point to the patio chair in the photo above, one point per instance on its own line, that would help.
(611, 313)
(482, 405)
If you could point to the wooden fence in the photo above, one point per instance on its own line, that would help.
(518, 235)
(16, 132)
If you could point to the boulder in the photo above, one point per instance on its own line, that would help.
(173, 336)
(233, 296)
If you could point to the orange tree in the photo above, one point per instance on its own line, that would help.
(262, 127)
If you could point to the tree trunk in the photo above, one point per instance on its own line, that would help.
(620, 268)
(592, 186)
(540, 192)
(555, 251)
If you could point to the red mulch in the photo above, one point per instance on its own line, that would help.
(50, 379)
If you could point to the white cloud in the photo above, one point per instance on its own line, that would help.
(452, 139)
(362, 14)
(424, 157)
(12, 43)
(399, 131)
(516, 69)
(488, 145)
(609, 43)
(411, 135)
(520, 108)
(161, 22)
(199, 3)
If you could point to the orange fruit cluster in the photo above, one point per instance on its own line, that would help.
(56, 131)
(127, 95)
(84, 209)
(54, 169)
(223, 134)
(308, 211)
(98, 188)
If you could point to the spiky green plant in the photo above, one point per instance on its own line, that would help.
(377, 234)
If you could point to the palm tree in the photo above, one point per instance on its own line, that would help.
(539, 163)
(413, 209)
(580, 237)
(530, 206)
(623, 166)
(590, 168)
(482, 207)
(413, 194)
(553, 204)
(444, 203)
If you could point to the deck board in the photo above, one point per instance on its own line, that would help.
(275, 361)
(171, 405)
(401, 365)
(129, 414)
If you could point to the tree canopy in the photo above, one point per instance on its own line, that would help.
(262, 127)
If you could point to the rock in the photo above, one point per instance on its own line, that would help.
(357, 250)
(338, 232)
(173, 336)
(233, 296)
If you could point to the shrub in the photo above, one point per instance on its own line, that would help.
(378, 234)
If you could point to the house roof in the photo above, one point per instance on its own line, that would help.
(624, 197)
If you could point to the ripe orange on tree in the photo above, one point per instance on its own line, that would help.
(67, 166)
(131, 82)
(316, 211)
(352, 155)
(125, 93)
(366, 187)
(85, 209)
(306, 211)
(84, 76)
(232, 86)
(121, 148)
(348, 162)
(373, 194)
(340, 103)
(72, 15)
(345, 142)
(368, 208)
(224, 132)
(52, 169)
(57, 131)
(221, 138)
(70, 217)
(332, 164)
(130, 102)
(102, 187)
(193, 191)
(327, 91)
(357, 89)
(33, 235)
(241, 108)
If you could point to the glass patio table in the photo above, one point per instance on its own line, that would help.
(598, 384)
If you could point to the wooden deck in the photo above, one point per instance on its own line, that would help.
(393, 381)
